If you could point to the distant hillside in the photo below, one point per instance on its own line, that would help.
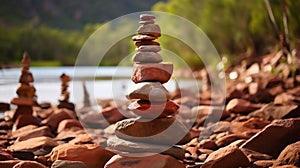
(71, 14)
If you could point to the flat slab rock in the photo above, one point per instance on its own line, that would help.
(167, 131)
(150, 72)
(136, 148)
(154, 161)
(227, 157)
(92, 155)
(275, 137)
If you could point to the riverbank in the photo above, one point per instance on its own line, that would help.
(257, 127)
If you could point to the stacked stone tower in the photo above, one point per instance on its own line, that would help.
(65, 94)
(26, 91)
(156, 129)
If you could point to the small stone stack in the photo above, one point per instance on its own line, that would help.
(26, 92)
(65, 94)
(156, 129)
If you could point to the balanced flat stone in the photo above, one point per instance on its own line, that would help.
(148, 48)
(147, 17)
(149, 29)
(140, 43)
(147, 57)
(143, 37)
(167, 131)
(147, 109)
(116, 144)
(160, 72)
(144, 22)
(152, 91)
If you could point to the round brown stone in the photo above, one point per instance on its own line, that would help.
(160, 72)
(149, 29)
(147, 57)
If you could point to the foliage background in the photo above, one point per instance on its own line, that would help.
(53, 31)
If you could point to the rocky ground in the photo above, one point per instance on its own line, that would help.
(259, 127)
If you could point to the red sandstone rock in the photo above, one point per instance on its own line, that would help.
(81, 139)
(112, 114)
(228, 139)
(33, 133)
(154, 161)
(241, 106)
(147, 109)
(24, 120)
(289, 156)
(275, 137)
(160, 72)
(227, 157)
(68, 123)
(33, 143)
(57, 116)
(92, 155)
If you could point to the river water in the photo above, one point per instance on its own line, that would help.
(101, 82)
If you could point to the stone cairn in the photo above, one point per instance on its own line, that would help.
(65, 94)
(150, 132)
(26, 92)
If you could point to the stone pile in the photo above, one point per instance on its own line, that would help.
(65, 94)
(156, 128)
(26, 91)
